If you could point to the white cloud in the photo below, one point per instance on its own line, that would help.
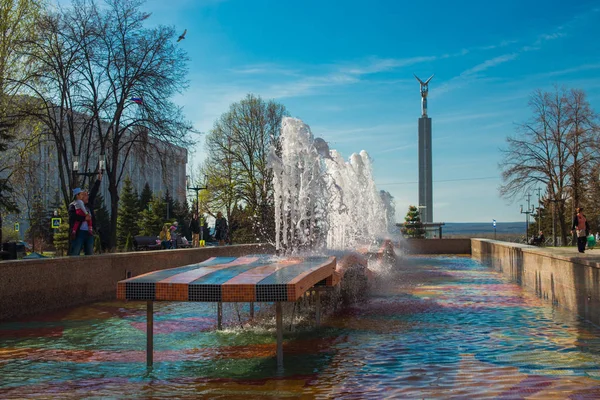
(375, 64)
(349, 134)
(489, 64)
(399, 148)
(567, 71)
(264, 69)
(449, 118)
(473, 74)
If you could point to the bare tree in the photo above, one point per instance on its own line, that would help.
(90, 65)
(551, 150)
(582, 140)
(136, 62)
(238, 147)
(222, 183)
(53, 85)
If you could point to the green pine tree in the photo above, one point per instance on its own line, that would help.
(170, 206)
(145, 197)
(151, 220)
(413, 227)
(6, 131)
(181, 213)
(128, 213)
(39, 225)
(129, 243)
(55, 205)
(241, 226)
(102, 221)
(61, 235)
(97, 244)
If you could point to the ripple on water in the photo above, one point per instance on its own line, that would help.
(442, 326)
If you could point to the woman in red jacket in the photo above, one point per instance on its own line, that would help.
(582, 228)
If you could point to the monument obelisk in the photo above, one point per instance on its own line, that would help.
(425, 175)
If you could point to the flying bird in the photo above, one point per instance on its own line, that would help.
(182, 35)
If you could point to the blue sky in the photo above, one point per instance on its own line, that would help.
(346, 69)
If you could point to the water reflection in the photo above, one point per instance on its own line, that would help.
(431, 327)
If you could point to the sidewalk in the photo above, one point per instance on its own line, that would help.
(592, 255)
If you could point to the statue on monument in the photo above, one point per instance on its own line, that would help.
(424, 85)
(424, 91)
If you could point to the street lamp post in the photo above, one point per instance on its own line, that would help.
(529, 210)
(76, 172)
(196, 189)
(539, 208)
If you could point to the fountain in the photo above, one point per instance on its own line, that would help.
(324, 204)
(321, 200)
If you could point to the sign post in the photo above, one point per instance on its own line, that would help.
(494, 225)
(56, 223)
(201, 242)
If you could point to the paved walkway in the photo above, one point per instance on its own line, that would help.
(590, 256)
(572, 252)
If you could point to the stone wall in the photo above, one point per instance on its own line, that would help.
(35, 286)
(561, 279)
(435, 246)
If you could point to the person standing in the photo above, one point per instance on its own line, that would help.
(82, 211)
(221, 228)
(195, 229)
(83, 237)
(582, 228)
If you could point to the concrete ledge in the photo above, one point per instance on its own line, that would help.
(36, 286)
(561, 276)
(436, 246)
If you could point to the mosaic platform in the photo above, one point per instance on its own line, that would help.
(255, 278)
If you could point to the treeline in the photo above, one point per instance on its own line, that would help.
(142, 213)
(558, 152)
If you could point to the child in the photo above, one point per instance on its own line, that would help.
(82, 212)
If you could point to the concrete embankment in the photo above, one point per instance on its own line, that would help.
(561, 276)
(35, 286)
(435, 246)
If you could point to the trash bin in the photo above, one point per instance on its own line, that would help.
(20, 248)
(11, 249)
(15, 250)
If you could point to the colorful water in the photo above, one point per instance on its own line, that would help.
(443, 327)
